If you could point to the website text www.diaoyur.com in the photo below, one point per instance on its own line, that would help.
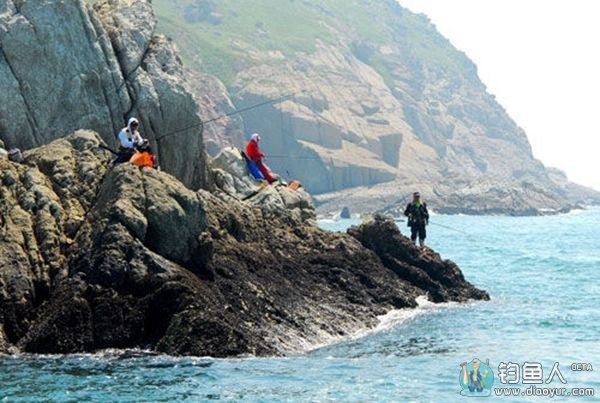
(544, 392)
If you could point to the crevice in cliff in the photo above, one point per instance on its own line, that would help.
(92, 205)
(18, 7)
(145, 190)
(29, 109)
(103, 40)
(130, 77)
(158, 150)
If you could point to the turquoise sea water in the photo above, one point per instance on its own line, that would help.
(543, 276)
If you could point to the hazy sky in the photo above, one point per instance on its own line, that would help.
(541, 58)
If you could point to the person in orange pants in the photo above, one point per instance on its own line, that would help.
(255, 155)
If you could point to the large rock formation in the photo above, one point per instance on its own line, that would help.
(43, 203)
(66, 66)
(95, 257)
(381, 105)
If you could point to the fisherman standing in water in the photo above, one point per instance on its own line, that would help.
(418, 218)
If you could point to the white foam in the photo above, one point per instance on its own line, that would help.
(388, 321)
(396, 317)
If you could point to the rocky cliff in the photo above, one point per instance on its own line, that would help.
(96, 257)
(66, 66)
(381, 105)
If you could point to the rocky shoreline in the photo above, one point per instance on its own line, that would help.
(194, 260)
(95, 258)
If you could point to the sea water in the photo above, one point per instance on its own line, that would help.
(541, 272)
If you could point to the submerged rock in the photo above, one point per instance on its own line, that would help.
(96, 258)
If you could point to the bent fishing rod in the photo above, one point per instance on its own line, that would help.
(237, 111)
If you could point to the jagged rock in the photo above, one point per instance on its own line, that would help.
(442, 278)
(232, 176)
(5, 346)
(43, 202)
(64, 66)
(151, 264)
(345, 213)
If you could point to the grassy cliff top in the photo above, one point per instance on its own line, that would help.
(224, 37)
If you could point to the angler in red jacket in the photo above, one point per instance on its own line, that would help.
(255, 155)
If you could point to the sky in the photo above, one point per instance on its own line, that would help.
(541, 59)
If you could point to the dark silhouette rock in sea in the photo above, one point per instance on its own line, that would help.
(96, 257)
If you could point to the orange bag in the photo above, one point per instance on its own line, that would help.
(143, 159)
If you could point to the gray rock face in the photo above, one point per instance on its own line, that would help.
(161, 98)
(58, 73)
(64, 66)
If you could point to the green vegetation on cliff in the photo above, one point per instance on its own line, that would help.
(224, 37)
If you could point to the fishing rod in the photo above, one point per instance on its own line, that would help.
(450, 228)
(237, 111)
(434, 223)
(292, 158)
(108, 149)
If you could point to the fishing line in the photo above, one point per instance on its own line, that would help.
(434, 223)
(237, 111)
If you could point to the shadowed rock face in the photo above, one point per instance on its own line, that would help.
(97, 258)
(66, 66)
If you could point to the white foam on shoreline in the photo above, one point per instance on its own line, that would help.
(397, 317)
(291, 343)
(388, 321)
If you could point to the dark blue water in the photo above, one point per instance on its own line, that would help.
(543, 276)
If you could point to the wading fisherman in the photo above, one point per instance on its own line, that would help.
(253, 152)
(129, 139)
(418, 218)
